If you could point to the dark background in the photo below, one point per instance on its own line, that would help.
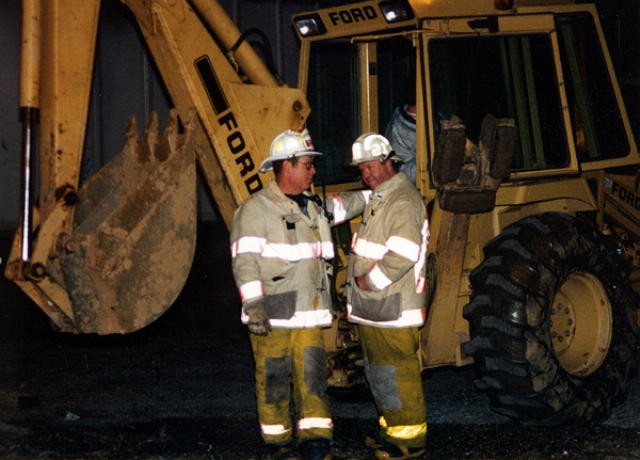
(183, 387)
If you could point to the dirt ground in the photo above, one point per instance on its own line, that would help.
(183, 389)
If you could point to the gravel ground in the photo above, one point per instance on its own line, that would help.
(183, 388)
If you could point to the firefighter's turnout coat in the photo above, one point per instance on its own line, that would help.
(279, 254)
(390, 249)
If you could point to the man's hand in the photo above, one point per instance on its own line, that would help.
(259, 323)
(362, 282)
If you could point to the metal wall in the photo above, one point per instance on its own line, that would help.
(125, 83)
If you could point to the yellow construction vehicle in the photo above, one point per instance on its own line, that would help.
(519, 118)
(520, 127)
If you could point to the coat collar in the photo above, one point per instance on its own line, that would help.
(389, 185)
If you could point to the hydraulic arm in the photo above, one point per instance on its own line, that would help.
(110, 255)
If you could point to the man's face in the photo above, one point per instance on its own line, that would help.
(375, 173)
(301, 174)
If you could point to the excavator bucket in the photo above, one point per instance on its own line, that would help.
(135, 230)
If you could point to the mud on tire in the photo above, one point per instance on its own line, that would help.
(543, 279)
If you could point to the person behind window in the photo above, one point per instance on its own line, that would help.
(401, 133)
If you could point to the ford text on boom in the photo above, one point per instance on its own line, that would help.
(237, 146)
(352, 15)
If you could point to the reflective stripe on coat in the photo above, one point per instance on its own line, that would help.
(390, 248)
(279, 255)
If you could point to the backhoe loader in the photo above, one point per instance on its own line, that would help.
(520, 124)
(527, 162)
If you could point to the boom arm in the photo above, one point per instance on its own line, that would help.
(112, 255)
(239, 103)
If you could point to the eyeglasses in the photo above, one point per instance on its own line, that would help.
(308, 165)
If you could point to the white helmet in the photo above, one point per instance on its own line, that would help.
(287, 145)
(370, 146)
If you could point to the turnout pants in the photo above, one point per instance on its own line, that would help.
(392, 367)
(286, 359)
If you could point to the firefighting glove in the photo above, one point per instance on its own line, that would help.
(259, 323)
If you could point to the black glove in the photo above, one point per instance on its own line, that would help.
(259, 323)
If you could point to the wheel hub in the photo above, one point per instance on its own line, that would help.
(581, 324)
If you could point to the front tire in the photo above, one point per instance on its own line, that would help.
(552, 322)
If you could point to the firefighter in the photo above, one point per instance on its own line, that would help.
(386, 293)
(280, 245)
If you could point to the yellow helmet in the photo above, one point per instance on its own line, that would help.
(286, 145)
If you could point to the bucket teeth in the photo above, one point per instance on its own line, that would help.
(160, 147)
(171, 132)
(151, 136)
(138, 208)
(131, 136)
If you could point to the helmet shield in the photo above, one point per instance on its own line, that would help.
(370, 146)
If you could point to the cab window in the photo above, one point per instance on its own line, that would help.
(508, 77)
(333, 123)
(396, 72)
(597, 123)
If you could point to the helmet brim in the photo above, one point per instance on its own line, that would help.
(267, 163)
(393, 157)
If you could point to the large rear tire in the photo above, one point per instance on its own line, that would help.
(552, 321)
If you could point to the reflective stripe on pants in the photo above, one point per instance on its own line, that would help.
(294, 356)
(393, 370)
